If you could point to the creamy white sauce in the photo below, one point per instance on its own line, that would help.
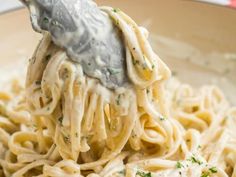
(196, 67)
(86, 33)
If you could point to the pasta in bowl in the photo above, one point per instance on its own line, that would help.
(64, 123)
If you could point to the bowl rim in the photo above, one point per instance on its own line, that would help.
(12, 9)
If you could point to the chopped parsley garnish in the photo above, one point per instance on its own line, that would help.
(35, 127)
(33, 60)
(179, 165)
(76, 135)
(67, 139)
(118, 99)
(47, 58)
(213, 169)
(153, 66)
(143, 174)
(135, 62)
(148, 91)
(162, 118)
(45, 20)
(38, 82)
(205, 174)
(60, 119)
(133, 135)
(195, 160)
(117, 22)
(122, 172)
(79, 82)
(116, 10)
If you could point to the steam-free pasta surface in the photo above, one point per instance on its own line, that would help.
(66, 124)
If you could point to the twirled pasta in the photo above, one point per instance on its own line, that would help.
(65, 123)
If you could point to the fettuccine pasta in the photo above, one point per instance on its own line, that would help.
(66, 124)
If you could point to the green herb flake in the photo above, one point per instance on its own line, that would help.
(147, 91)
(205, 174)
(135, 62)
(195, 160)
(60, 119)
(76, 135)
(79, 82)
(122, 172)
(45, 20)
(199, 147)
(179, 165)
(153, 66)
(67, 139)
(162, 118)
(118, 99)
(38, 82)
(213, 169)
(117, 22)
(118, 102)
(47, 58)
(143, 174)
(116, 10)
(133, 135)
(33, 59)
